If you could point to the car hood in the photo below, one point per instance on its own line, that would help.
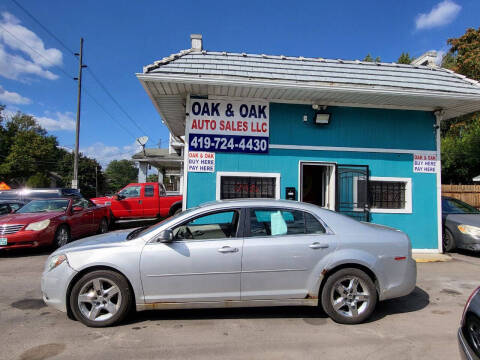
(110, 239)
(28, 218)
(101, 200)
(467, 219)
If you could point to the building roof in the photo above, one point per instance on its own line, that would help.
(159, 158)
(304, 80)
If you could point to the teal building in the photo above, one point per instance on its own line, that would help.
(359, 138)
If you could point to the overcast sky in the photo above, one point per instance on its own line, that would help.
(121, 37)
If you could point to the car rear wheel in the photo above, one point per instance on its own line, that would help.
(101, 298)
(62, 236)
(103, 227)
(349, 296)
(448, 241)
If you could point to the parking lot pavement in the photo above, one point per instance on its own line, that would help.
(422, 325)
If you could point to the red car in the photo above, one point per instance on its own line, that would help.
(53, 221)
(142, 201)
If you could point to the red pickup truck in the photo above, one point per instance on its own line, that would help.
(141, 201)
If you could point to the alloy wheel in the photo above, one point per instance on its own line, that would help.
(350, 296)
(103, 226)
(62, 236)
(99, 299)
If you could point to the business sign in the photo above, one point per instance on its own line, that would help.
(200, 161)
(228, 126)
(425, 163)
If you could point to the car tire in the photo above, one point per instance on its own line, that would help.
(349, 296)
(62, 236)
(101, 298)
(448, 241)
(177, 211)
(472, 325)
(103, 226)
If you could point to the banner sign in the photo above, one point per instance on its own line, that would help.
(228, 126)
(199, 161)
(425, 163)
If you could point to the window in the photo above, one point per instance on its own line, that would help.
(390, 195)
(130, 192)
(5, 209)
(219, 225)
(80, 202)
(273, 222)
(149, 190)
(454, 206)
(232, 185)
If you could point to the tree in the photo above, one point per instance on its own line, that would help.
(120, 173)
(405, 58)
(38, 180)
(152, 178)
(466, 53)
(369, 58)
(26, 149)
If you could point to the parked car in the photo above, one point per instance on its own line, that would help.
(233, 253)
(25, 195)
(461, 225)
(52, 222)
(141, 201)
(469, 332)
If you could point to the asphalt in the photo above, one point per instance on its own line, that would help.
(422, 325)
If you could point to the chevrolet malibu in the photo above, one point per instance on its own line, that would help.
(239, 253)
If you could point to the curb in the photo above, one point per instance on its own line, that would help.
(427, 258)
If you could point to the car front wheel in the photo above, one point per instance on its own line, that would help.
(349, 296)
(448, 241)
(103, 227)
(100, 298)
(62, 236)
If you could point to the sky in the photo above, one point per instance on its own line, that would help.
(120, 37)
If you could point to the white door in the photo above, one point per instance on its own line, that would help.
(280, 253)
(202, 263)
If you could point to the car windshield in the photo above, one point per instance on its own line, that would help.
(148, 229)
(454, 206)
(37, 206)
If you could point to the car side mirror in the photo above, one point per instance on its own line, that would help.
(118, 197)
(77, 209)
(165, 236)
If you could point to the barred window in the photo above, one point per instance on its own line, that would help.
(234, 187)
(387, 194)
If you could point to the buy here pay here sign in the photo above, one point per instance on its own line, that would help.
(228, 126)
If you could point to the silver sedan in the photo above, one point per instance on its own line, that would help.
(233, 254)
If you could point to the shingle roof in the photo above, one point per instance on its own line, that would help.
(314, 70)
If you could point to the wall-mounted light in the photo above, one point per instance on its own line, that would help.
(322, 118)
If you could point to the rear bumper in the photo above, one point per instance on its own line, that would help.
(466, 352)
(404, 287)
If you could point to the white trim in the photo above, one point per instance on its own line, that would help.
(331, 186)
(251, 174)
(408, 195)
(354, 149)
(426, 251)
(185, 156)
(438, 117)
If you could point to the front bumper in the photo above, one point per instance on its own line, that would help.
(55, 284)
(28, 239)
(466, 351)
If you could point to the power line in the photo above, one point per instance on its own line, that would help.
(137, 125)
(69, 77)
(43, 27)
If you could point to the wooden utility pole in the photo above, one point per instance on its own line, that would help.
(79, 98)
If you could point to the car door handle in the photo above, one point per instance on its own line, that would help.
(227, 249)
(317, 245)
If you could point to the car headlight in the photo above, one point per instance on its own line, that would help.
(55, 261)
(39, 225)
(469, 229)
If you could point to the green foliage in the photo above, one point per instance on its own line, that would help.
(461, 152)
(38, 180)
(120, 173)
(152, 178)
(369, 58)
(449, 61)
(26, 149)
(405, 58)
(466, 52)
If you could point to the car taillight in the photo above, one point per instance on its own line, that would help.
(468, 303)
